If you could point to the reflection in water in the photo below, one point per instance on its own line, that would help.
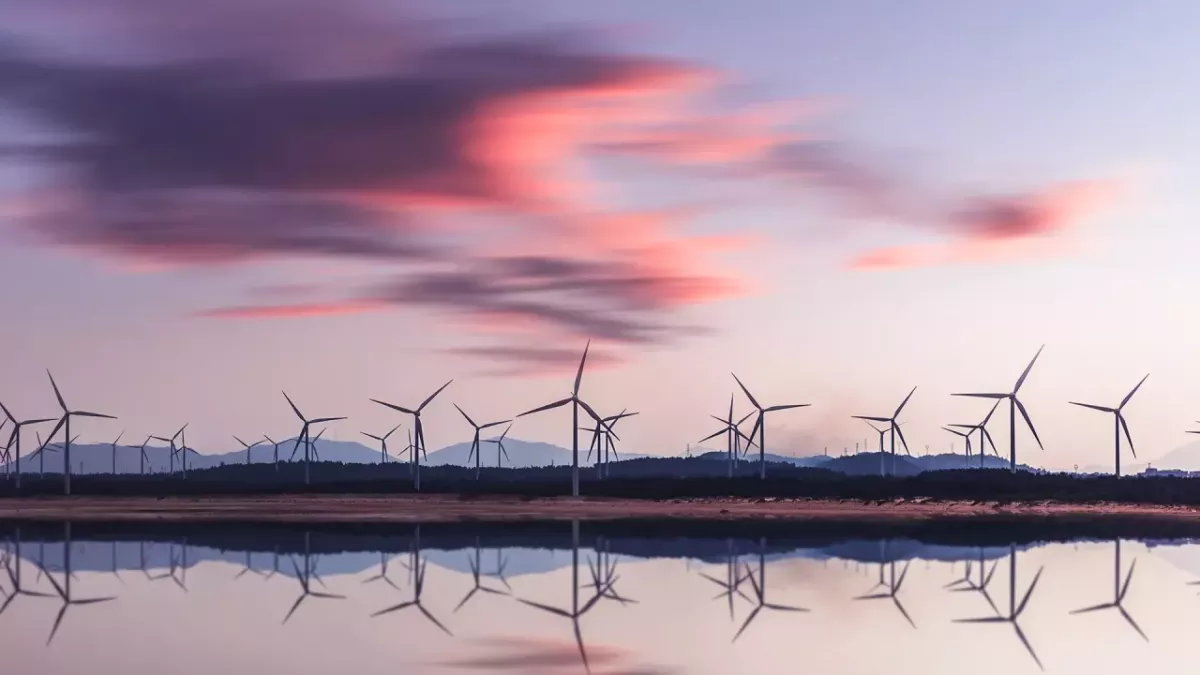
(760, 591)
(1014, 609)
(418, 566)
(306, 576)
(501, 601)
(1119, 591)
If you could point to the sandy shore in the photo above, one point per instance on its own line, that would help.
(407, 508)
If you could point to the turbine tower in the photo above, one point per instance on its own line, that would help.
(577, 403)
(419, 446)
(475, 439)
(64, 423)
(303, 437)
(760, 424)
(14, 439)
(114, 451)
(383, 453)
(892, 426)
(1119, 423)
(1014, 404)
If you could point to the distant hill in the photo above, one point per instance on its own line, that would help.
(868, 464)
(1185, 457)
(91, 458)
(521, 454)
(721, 455)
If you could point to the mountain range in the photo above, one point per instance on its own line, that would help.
(93, 458)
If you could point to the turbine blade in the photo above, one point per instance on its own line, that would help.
(1132, 623)
(434, 620)
(1125, 428)
(579, 373)
(1025, 414)
(777, 408)
(241, 441)
(388, 434)
(871, 419)
(294, 408)
(903, 403)
(900, 433)
(489, 425)
(322, 420)
(466, 416)
(1021, 380)
(1128, 578)
(746, 391)
(1093, 608)
(722, 431)
(1134, 391)
(81, 413)
(1028, 647)
(393, 406)
(546, 608)
(995, 396)
(550, 406)
(1025, 600)
(57, 393)
(1093, 407)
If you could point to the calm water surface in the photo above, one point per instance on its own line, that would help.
(568, 600)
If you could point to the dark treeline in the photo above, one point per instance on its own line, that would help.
(659, 478)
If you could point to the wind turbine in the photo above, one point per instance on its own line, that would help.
(303, 436)
(64, 590)
(733, 435)
(985, 438)
(1014, 404)
(893, 588)
(173, 449)
(499, 443)
(419, 447)
(473, 561)
(893, 427)
(247, 446)
(732, 585)
(967, 585)
(760, 591)
(418, 569)
(760, 425)
(604, 440)
(383, 453)
(1119, 423)
(40, 453)
(966, 436)
(64, 423)
(882, 432)
(383, 572)
(275, 443)
(14, 576)
(142, 458)
(475, 440)
(1119, 591)
(114, 451)
(15, 438)
(1014, 609)
(305, 576)
(577, 609)
(577, 403)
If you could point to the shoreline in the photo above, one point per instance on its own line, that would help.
(329, 508)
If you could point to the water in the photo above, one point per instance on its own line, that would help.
(525, 599)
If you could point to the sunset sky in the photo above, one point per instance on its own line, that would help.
(204, 203)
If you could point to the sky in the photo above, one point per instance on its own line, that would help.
(205, 205)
